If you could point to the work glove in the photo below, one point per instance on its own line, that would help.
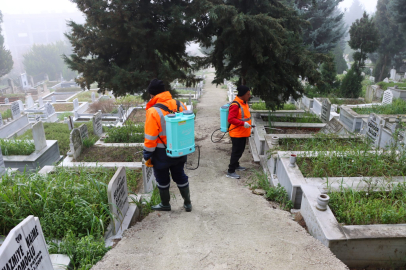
(246, 125)
(147, 155)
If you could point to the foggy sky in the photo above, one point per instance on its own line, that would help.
(56, 6)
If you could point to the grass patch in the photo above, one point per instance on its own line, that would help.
(62, 116)
(63, 107)
(260, 106)
(353, 207)
(276, 194)
(17, 147)
(85, 96)
(137, 116)
(6, 114)
(129, 101)
(71, 205)
(321, 142)
(111, 154)
(398, 106)
(304, 118)
(129, 133)
(59, 132)
(347, 101)
(51, 83)
(68, 89)
(385, 86)
(353, 163)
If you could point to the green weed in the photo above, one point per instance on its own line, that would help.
(62, 116)
(385, 86)
(6, 114)
(262, 106)
(128, 133)
(398, 106)
(303, 118)
(17, 147)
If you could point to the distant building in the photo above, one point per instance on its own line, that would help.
(21, 31)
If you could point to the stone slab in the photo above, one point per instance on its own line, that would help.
(38, 134)
(117, 193)
(97, 124)
(75, 143)
(84, 134)
(148, 178)
(15, 110)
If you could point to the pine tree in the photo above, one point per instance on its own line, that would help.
(339, 60)
(126, 43)
(398, 8)
(328, 75)
(6, 61)
(261, 43)
(354, 12)
(326, 25)
(391, 39)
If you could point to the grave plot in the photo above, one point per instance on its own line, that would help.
(17, 125)
(137, 116)
(86, 96)
(261, 106)
(59, 96)
(361, 220)
(126, 135)
(80, 209)
(31, 155)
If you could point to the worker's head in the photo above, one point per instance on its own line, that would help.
(156, 87)
(244, 92)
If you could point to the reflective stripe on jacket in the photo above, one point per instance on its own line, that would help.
(243, 115)
(155, 121)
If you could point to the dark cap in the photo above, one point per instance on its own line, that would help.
(242, 89)
(156, 86)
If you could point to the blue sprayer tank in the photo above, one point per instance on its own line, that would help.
(224, 117)
(180, 134)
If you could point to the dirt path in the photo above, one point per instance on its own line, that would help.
(229, 227)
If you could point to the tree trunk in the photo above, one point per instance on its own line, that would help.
(383, 68)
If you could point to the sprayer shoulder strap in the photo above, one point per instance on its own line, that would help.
(165, 108)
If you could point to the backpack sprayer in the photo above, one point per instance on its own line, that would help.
(180, 133)
(224, 125)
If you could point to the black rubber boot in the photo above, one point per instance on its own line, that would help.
(187, 204)
(165, 198)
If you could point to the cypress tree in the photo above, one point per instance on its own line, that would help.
(398, 8)
(261, 43)
(125, 43)
(6, 61)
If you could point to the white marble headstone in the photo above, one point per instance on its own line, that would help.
(93, 97)
(2, 165)
(6, 101)
(25, 246)
(344, 72)
(29, 102)
(386, 80)
(372, 79)
(374, 128)
(15, 110)
(325, 110)
(20, 103)
(38, 134)
(97, 124)
(393, 74)
(49, 109)
(148, 178)
(387, 97)
(117, 192)
(53, 99)
(40, 102)
(1, 120)
(75, 104)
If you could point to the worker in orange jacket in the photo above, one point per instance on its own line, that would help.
(239, 118)
(161, 104)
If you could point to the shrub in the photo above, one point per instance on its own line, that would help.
(17, 147)
(351, 86)
(129, 133)
(106, 106)
(6, 114)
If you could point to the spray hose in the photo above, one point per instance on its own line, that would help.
(223, 134)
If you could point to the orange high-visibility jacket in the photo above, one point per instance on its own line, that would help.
(243, 115)
(155, 120)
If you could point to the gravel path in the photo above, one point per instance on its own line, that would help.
(229, 227)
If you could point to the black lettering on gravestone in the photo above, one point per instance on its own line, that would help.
(25, 247)
(117, 192)
(15, 110)
(83, 132)
(325, 110)
(97, 124)
(373, 127)
(75, 143)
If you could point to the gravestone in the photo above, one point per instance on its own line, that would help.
(2, 165)
(97, 124)
(75, 143)
(117, 192)
(40, 102)
(70, 123)
(31, 80)
(49, 109)
(120, 112)
(25, 247)
(38, 134)
(11, 84)
(1, 120)
(345, 72)
(75, 104)
(20, 103)
(334, 126)
(148, 177)
(387, 97)
(29, 102)
(325, 110)
(93, 97)
(386, 80)
(6, 101)
(393, 74)
(45, 87)
(15, 110)
(374, 128)
(363, 74)
(37, 117)
(372, 79)
(84, 134)
(53, 99)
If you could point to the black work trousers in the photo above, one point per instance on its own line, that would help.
(236, 153)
